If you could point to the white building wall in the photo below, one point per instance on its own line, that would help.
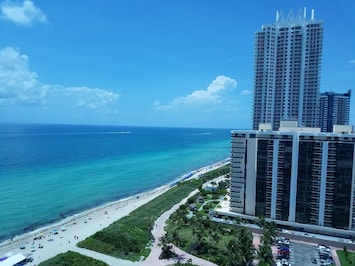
(250, 186)
(294, 173)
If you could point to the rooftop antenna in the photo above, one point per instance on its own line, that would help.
(304, 12)
(277, 15)
(312, 14)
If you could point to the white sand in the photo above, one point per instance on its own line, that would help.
(83, 225)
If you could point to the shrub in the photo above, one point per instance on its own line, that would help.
(73, 259)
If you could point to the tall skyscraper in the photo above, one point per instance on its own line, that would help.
(334, 109)
(287, 71)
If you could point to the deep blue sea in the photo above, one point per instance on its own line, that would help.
(48, 172)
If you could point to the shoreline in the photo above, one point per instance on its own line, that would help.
(81, 214)
(75, 216)
(95, 219)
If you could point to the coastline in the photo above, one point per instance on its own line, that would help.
(63, 235)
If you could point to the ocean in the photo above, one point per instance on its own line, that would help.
(49, 172)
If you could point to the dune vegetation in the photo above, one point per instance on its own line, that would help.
(129, 238)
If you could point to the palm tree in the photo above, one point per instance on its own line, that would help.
(241, 249)
(197, 234)
(260, 221)
(272, 229)
(175, 237)
(166, 248)
(264, 254)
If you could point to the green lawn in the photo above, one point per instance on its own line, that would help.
(346, 258)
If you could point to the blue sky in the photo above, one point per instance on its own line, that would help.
(186, 63)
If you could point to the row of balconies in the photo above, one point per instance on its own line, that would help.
(238, 151)
(237, 163)
(237, 144)
(237, 209)
(236, 189)
(239, 201)
(238, 181)
(239, 174)
(238, 141)
(237, 196)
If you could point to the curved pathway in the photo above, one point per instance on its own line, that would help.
(158, 231)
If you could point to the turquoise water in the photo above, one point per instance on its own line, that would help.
(49, 172)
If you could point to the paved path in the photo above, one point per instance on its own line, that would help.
(158, 231)
(105, 258)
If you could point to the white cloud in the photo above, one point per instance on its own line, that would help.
(24, 14)
(91, 98)
(19, 85)
(213, 95)
(17, 82)
(246, 92)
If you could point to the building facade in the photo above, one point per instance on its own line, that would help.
(295, 176)
(334, 110)
(287, 64)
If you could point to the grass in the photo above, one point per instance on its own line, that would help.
(346, 258)
(216, 253)
(73, 259)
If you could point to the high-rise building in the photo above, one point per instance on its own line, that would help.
(296, 176)
(288, 55)
(334, 109)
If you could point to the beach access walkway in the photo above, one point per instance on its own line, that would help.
(153, 258)
(158, 231)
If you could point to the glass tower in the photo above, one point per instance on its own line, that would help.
(334, 109)
(287, 64)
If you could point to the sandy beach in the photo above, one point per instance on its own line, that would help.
(47, 242)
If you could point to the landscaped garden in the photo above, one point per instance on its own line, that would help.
(192, 229)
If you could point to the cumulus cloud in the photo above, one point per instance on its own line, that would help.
(24, 14)
(17, 82)
(213, 95)
(19, 85)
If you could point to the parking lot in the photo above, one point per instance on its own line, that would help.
(304, 254)
(301, 254)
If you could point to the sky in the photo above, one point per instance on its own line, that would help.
(186, 63)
